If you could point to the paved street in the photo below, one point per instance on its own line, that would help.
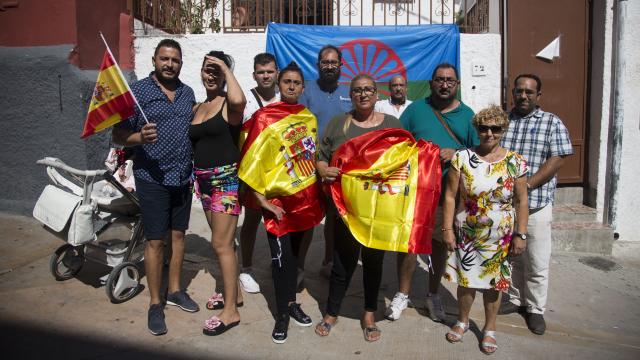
(593, 313)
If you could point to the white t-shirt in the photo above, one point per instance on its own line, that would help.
(385, 106)
(253, 105)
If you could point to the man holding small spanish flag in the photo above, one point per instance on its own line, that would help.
(162, 170)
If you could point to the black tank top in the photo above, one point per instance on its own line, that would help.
(214, 142)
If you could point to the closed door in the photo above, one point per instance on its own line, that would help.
(531, 26)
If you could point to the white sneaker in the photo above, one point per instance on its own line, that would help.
(435, 308)
(400, 302)
(248, 283)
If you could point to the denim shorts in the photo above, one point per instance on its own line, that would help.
(163, 208)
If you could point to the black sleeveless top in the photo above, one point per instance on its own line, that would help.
(214, 142)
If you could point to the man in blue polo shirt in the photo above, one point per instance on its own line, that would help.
(326, 99)
(162, 169)
(446, 121)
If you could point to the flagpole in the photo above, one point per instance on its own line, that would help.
(122, 75)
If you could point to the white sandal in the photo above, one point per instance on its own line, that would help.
(454, 337)
(486, 347)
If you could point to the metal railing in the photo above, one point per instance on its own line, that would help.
(201, 16)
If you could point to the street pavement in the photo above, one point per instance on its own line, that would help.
(593, 310)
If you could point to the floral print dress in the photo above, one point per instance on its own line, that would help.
(484, 220)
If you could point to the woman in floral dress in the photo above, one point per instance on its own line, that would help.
(483, 235)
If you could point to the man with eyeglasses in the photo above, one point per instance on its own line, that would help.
(446, 121)
(544, 141)
(397, 102)
(326, 99)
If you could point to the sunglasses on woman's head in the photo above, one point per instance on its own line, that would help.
(495, 129)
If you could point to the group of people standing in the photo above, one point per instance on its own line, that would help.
(493, 226)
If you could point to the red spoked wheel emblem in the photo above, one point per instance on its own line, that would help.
(372, 57)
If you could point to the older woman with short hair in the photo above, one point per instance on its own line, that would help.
(489, 223)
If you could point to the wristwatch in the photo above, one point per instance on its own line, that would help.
(520, 235)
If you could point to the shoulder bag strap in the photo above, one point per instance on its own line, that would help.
(446, 126)
(255, 94)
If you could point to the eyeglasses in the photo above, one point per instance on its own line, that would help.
(367, 90)
(325, 63)
(449, 81)
(495, 129)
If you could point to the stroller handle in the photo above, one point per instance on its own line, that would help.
(57, 163)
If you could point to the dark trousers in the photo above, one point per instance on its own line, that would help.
(345, 260)
(284, 267)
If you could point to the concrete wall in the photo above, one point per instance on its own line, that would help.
(43, 106)
(600, 99)
(477, 92)
(601, 117)
(629, 196)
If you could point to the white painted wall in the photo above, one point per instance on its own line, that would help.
(477, 92)
(629, 196)
(601, 78)
(601, 111)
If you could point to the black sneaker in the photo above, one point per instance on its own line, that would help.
(535, 323)
(182, 300)
(156, 320)
(298, 316)
(279, 334)
(510, 308)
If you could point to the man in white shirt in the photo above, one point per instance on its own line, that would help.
(397, 101)
(265, 73)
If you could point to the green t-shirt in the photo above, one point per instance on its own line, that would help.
(420, 120)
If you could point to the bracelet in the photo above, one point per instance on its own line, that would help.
(445, 229)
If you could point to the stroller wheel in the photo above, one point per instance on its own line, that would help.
(123, 283)
(66, 262)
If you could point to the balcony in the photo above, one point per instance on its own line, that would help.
(234, 16)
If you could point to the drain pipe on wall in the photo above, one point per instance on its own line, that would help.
(618, 114)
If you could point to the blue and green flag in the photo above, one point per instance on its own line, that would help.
(380, 51)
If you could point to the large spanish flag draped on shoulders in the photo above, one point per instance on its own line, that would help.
(278, 160)
(388, 190)
(112, 99)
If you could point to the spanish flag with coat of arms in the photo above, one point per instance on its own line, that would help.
(278, 160)
(112, 99)
(388, 190)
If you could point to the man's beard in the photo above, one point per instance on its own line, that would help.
(330, 76)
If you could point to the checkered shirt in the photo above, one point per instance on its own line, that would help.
(538, 136)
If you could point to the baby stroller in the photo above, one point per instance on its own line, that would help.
(98, 219)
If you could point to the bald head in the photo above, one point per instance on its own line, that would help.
(398, 89)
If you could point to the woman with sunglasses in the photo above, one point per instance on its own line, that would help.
(488, 225)
(361, 120)
(214, 132)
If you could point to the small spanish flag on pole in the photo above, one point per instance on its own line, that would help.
(112, 99)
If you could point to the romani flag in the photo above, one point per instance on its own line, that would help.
(278, 160)
(388, 190)
(383, 52)
(112, 99)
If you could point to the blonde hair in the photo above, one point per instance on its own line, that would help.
(347, 121)
(493, 112)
